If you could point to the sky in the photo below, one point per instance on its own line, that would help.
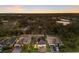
(39, 8)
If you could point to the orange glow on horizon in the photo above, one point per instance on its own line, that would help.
(18, 9)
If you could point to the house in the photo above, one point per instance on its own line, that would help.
(41, 44)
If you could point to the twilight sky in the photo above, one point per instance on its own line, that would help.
(39, 8)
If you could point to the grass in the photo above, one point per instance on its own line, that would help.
(47, 45)
(32, 45)
(25, 48)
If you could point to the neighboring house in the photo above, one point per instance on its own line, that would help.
(54, 43)
(25, 39)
